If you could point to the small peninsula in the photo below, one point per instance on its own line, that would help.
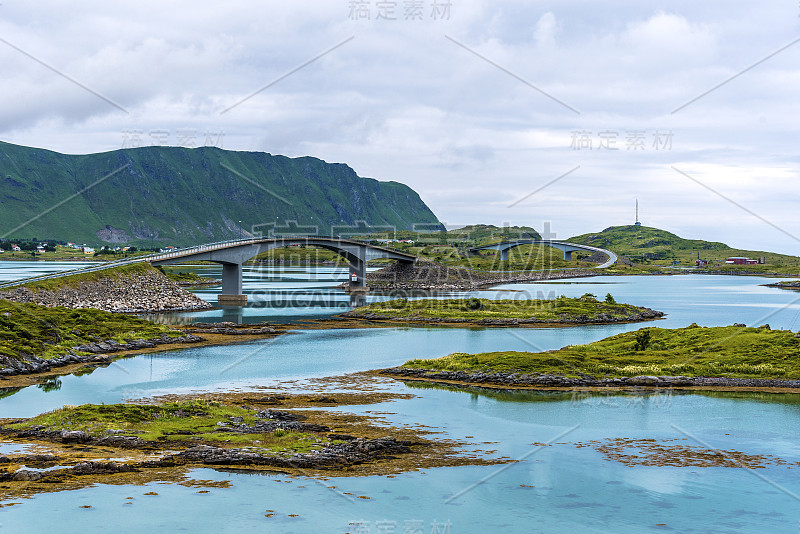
(729, 357)
(485, 312)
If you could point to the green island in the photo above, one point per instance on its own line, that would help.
(562, 310)
(694, 351)
(167, 437)
(32, 330)
(171, 423)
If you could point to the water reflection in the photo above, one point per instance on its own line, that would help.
(7, 392)
(611, 397)
(620, 398)
(51, 384)
(233, 314)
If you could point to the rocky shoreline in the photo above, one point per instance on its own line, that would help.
(337, 456)
(795, 285)
(517, 380)
(603, 318)
(141, 292)
(98, 353)
(431, 276)
(347, 452)
(230, 329)
(124, 449)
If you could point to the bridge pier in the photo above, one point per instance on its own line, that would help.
(357, 278)
(233, 254)
(231, 294)
(568, 255)
(504, 254)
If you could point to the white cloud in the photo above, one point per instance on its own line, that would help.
(545, 33)
(402, 102)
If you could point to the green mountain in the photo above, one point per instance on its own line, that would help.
(484, 234)
(642, 243)
(178, 196)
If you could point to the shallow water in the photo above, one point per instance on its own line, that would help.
(557, 488)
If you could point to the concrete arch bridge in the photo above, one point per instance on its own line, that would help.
(565, 247)
(232, 255)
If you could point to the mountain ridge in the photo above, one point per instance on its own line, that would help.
(183, 196)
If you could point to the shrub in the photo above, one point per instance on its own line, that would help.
(474, 304)
(642, 340)
(610, 299)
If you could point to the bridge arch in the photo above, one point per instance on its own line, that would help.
(565, 247)
(232, 255)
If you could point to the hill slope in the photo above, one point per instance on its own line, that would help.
(645, 243)
(180, 196)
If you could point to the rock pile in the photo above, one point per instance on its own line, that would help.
(428, 275)
(351, 452)
(148, 291)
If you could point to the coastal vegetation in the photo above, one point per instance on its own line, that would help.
(165, 438)
(33, 330)
(187, 278)
(189, 422)
(731, 351)
(560, 310)
(646, 245)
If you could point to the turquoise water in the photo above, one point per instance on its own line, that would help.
(558, 488)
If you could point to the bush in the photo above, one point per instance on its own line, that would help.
(642, 340)
(474, 304)
(610, 299)
(588, 297)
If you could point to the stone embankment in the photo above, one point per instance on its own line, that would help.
(516, 380)
(141, 292)
(428, 275)
(97, 353)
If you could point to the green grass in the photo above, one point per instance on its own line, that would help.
(183, 277)
(693, 351)
(181, 422)
(301, 255)
(61, 254)
(477, 309)
(643, 244)
(50, 332)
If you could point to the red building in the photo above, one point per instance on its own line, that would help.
(741, 261)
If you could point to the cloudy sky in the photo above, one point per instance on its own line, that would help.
(517, 112)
